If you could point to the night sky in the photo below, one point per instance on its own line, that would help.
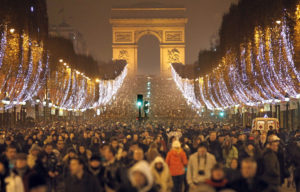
(91, 18)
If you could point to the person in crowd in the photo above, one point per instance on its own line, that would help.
(293, 153)
(84, 153)
(4, 172)
(229, 152)
(52, 166)
(113, 173)
(214, 147)
(10, 156)
(96, 169)
(271, 167)
(152, 152)
(233, 173)
(199, 166)
(94, 147)
(79, 179)
(217, 179)
(249, 182)
(162, 176)
(140, 179)
(33, 155)
(177, 161)
(22, 169)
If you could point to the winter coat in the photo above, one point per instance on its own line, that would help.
(193, 168)
(86, 183)
(177, 161)
(14, 183)
(271, 168)
(232, 174)
(232, 154)
(164, 178)
(214, 147)
(144, 168)
(98, 173)
(113, 175)
(217, 185)
(243, 185)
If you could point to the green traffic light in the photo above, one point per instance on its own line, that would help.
(139, 103)
(222, 114)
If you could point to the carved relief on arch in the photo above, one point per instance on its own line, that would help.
(141, 33)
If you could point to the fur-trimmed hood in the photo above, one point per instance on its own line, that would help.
(144, 168)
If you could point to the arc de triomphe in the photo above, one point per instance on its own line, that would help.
(166, 24)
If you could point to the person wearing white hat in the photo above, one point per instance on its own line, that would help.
(177, 160)
(271, 166)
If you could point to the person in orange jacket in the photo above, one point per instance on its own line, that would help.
(177, 160)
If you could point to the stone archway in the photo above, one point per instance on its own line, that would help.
(166, 24)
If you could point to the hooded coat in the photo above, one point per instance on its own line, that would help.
(229, 152)
(144, 168)
(162, 179)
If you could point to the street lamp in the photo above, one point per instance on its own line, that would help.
(23, 112)
(37, 102)
(287, 100)
(12, 30)
(5, 101)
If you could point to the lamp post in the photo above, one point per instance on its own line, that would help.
(6, 101)
(14, 113)
(287, 99)
(50, 104)
(23, 112)
(277, 108)
(37, 102)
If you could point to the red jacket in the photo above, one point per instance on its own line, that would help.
(177, 161)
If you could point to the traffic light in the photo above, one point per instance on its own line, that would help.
(139, 100)
(222, 114)
(146, 106)
(139, 103)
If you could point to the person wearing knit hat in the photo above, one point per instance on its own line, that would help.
(177, 160)
(96, 169)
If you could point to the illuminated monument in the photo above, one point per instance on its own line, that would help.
(166, 24)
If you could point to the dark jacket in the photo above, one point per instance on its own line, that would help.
(114, 174)
(214, 147)
(232, 175)
(242, 185)
(87, 183)
(271, 168)
(98, 173)
(3, 175)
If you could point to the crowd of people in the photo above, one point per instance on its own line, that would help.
(172, 151)
(151, 156)
(166, 101)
